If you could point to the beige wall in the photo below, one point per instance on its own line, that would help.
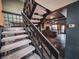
(1, 15)
(15, 6)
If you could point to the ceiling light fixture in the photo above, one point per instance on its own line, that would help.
(52, 17)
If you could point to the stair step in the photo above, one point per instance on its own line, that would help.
(13, 32)
(35, 24)
(33, 56)
(21, 53)
(37, 16)
(34, 21)
(13, 38)
(14, 45)
(13, 28)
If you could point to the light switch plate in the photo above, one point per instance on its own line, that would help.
(71, 25)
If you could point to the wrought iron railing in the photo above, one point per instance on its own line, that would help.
(43, 46)
(12, 19)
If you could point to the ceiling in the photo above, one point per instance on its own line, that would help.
(53, 5)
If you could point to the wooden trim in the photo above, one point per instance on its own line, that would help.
(1, 26)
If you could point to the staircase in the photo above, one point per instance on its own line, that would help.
(16, 44)
(23, 40)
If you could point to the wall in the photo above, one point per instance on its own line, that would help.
(1, 15)
(15, 6)
(1, 22)
(72, 40)
(64, 12)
